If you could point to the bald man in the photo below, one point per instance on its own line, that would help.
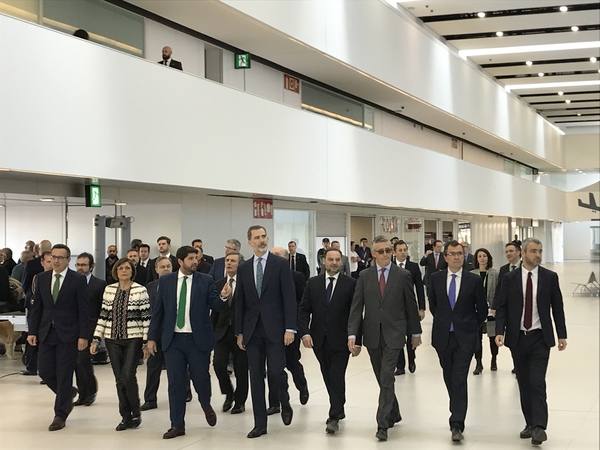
(168, 61)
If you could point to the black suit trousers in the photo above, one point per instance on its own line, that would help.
(225, 349)
(84, 374)
(333, 365)
(124, 359)
(531, 362)
(410, 351)
(154, 367)
(455, 361)
(56, 363)
(292, 363)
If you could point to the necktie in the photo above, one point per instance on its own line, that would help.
(56, 287)
(293, 262)
(512, 268)
(230, 282)
(528, 317)
(437, 258)
(452, 296)
(181, 305)
(402, 265)
(382, 282)
(329, 291)
(259, 277)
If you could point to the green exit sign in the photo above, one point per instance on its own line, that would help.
(242, 60)
(93, 196)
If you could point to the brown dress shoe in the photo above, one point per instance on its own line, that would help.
(57, 424)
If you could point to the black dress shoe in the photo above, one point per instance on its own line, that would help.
(228, 402)
(457, 435)
(211, 416)
(525, 433)
(478, 368)
(173, 433)
(57, 424)
(304, 396)
(399, 372)
(42, 382)
(493, 366)
(412, 367)
(238, 409)
(514, 371)
(286, 414)
(123, 425)
(332, 426)
(85, 401)
(148, 406)
(189, 397)
(273, 410)
(74, 392)
(256, 432)
(28, 373)
(135, 421)
(538, 435)
(381, 434)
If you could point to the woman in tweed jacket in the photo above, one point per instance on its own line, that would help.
(123, 323)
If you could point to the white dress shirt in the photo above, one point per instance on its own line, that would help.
(144, 262)
(535, 316)
(187, 328)
(60, 281)
(402, 264)
(88, 277)
(386, 274)
(233, 285)
(335, 279)
(449, 280)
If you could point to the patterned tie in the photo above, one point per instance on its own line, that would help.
(329, 291)
(259, 277)
(56, 287)
(382, 282)
(528, 316)
(181, 305)
(452, 296)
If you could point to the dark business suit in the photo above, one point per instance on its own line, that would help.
(217, 270)
(365, 257)
(469, 262)
(388, 319)
(428, 261)
(203, 267)
(32, 268)
(57, 327)
(183, 351)
(456, 348)
(414, 270)
(531, 351)
(327, 323)
(155, 363)
(226, 347)
(173, 64)
(152, 275)
(262, 318)
(502, 272)
(141, 274)
(299, 264)
(84, 371)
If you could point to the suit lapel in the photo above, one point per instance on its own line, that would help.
(62, 288)
(268, 270)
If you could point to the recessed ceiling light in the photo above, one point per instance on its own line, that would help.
(46, 199)
(529, 48)
(540, 74)
(499, 33)
(561, 93)
(574, 28)
(578, 114)
(481, 15)
(551, 84)
(563, 9)
(567, 101)
(529, 63)
(120, 203)
(593, 59)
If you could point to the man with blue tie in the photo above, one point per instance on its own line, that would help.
(181, 321)
(457, 303)
(265, 322)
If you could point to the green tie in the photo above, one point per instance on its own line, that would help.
(181, 306)
(56, 287)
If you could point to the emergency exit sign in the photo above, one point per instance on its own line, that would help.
(242, 60)
(93, 196)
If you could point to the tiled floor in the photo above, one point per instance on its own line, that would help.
(493, 422)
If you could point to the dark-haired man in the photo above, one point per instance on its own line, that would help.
(163, 244)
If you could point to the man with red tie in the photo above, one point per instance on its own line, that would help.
(527, 298)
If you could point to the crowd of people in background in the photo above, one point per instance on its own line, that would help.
(178, 308)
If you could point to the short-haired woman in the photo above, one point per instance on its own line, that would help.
(489, 280)
(123, 323)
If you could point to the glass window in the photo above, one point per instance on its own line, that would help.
(23, 9)
(333, 105)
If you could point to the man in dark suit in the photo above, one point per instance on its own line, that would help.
(87, 385)
(326, 307)
(469, 261)
(321, 254)
(226, 346)
(197, 244)
(265, 322)
(164, 249)
(528, 299)
(457, 302)
(168, 61)
(364, 255)
(403, 261)
(109, 262)
(7, 261)
(217, 270)
(297, 260)
(513, 255)
(386, 295)
(34, 266)
(181, 322)
(141, 272)
(433, 260)
(60, 322)
(203, 265)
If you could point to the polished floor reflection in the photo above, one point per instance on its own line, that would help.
(493, 421)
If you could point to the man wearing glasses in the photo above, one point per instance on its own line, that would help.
(217, 270)
(385, 293)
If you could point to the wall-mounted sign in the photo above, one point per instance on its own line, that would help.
(263, 208)
(242, 60)
(291, 83)
(389, 224)
(413, 224)
(93, 196)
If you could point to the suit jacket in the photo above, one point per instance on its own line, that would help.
(470, 310)
(152, 275)
(414, 270)
(327, 322)
(469, 263)
(204, 297)
(152, 288)
(32, 268)
(345, 269)
(95, 290)
(510, 301)
(9, 265)
(365, 257)
(208, 259)
(428, 261)
(173, 64)
(395, 314)
(223, 320)
(141, 274)
(276, 306)
(301, 265)
(203, 267)
(504, 270)
(69, 315)
(491, 284)
(217, 270)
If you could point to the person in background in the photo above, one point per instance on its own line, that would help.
(144, 251)
(470, 262)
(298, 260)
(206, 258)
(34, 266)
(203, 266)
(353, 259)
(19, 270)
(489, 281)
(217, 269)
(345, 268)
(364, 253)
(321, 253)
(82, 34)
(141, 273)
(135, 244)
(6, 260)
(516, 240)
(164, 249)
(167, 61)
(433, 261)
(110, 261)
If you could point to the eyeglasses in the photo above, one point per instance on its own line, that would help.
(58, 258)
(381, 251)
(455, 254)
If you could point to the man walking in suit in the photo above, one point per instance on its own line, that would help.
(457, 302)
(226, 345)
(298, 260)
(513, 255)
(386, 295)
(526, 299)
(326, 307)
(181, 321)
(164, 249)
(168, 61)
(141, 272)
(365, 255)
(469, 261)
(345, 267)
(265, 322)
(87, 385)
(59, 323)
(402, 261)
(433, 260)
(217, 270)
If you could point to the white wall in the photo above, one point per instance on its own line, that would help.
(582, 151)
(490, 233)
(578, 240)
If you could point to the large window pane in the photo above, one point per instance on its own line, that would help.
(333, 105)
(23, 9)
